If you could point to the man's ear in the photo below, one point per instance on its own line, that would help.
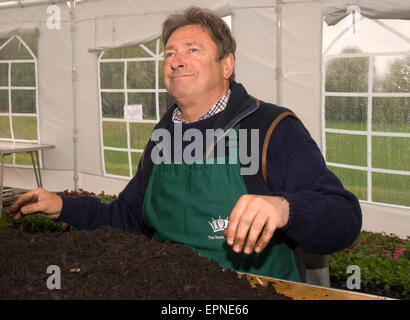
(229, 65)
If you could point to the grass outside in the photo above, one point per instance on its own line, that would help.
(24, 127)
(387, 153)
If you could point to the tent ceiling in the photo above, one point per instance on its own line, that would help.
(335, 10)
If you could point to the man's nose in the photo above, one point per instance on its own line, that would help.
(178, 61)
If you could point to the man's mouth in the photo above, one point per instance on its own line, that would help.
(180, 75)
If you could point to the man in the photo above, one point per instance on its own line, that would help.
(293, 200)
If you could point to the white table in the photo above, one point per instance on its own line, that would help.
(7, 148)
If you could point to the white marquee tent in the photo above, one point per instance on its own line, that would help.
(278, 59)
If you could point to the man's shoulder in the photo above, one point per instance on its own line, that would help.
(267, 115)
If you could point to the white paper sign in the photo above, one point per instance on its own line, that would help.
(133, 111)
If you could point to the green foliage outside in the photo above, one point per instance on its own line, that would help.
(383, 259)
(389, 114)
(347, 74)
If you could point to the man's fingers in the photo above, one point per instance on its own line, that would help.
(234, 219)
(35, 207)
(266, 236)
(18, 216)
(27, 197)
(254, 232)
(43, 215)
(243, 230)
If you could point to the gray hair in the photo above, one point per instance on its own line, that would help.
(215, 26)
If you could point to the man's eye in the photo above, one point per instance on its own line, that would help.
(169, 54)
(193, 50)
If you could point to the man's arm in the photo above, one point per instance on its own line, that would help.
(319, 215)
(87, 213)
(323, 216)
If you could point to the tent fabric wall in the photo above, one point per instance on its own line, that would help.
(301, 49)
(255, 34)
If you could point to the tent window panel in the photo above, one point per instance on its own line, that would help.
(14, 50)
(25, 128)
(112, 75)
(391, 153)
(135, 159)
(165, 102)
(23, 159)
(152, 45)
(143, 86)
(141, 75)
(5, 127)
(391, 188)
(4, 74)
(8, 159)
(112, 104)
(115, 134)
(4, 101)
(161, 74)
(147, 100)
(126, 53)
(140, 134)
(349, 113)
(391, 114)
(116, 162)
(353, 180)
(346, 149)
(23, 75)
(31, 40)
(23, 101)
(392, 74)
(347, 75)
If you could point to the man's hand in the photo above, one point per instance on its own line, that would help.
(40, 202)
(253, 215)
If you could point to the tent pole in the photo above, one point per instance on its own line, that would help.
(27, 3)
(278, 71)
(74, 91)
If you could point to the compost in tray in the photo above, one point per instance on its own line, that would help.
(108, 263)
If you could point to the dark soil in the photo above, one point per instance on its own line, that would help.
(111, 264)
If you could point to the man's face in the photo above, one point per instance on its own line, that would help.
(191, 68)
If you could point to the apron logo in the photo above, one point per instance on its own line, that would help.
(218, 225)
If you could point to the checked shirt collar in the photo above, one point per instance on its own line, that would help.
(218, 107)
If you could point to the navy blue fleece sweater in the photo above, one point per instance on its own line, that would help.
(324, 217)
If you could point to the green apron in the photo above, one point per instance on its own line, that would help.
(191, 204)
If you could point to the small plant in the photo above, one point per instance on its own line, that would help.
(105, 198)
(384, 261)
(34, 223)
